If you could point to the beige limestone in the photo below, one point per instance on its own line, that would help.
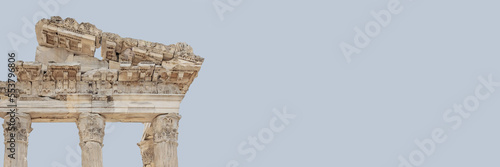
(21, 130)
(91, 131)
(136, 81)
(165, 135)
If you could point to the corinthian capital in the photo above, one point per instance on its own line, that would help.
(17, 124)
(91, 127)
(166, 127)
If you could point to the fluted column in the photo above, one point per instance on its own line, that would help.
(165, 136)
(17, 128)
(91, 131)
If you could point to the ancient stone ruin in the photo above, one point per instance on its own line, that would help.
(136, 81)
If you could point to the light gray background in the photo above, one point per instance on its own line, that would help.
(272, 54)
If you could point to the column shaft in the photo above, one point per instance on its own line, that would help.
(165, 135)
(91, 131)
(147, 152)
(17, 127)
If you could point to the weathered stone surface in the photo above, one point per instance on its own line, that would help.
(161, 68)
(165, 135)
(83, 38)
(136, 81)
(88, 63)
(21, 128)
(91, 131)
(45, 55)
(147, 146)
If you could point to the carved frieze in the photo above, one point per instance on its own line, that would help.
(83, 38)
(65, 64)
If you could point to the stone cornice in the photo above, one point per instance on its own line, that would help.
(135, 81)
